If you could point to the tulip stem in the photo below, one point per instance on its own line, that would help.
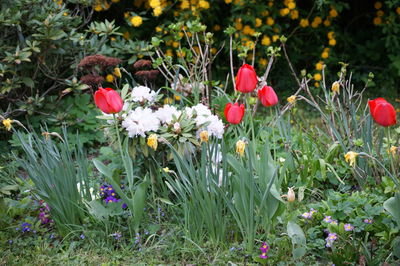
(118, 138)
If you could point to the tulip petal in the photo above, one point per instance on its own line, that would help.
(114, 101)
(100, 100)
(246, 80)
(384, 114)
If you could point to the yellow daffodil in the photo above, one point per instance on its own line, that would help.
(240, 147)
(336, 87)
(204, 136)
(350, 158)
(7, 123)
(292, 99)
(152, 141)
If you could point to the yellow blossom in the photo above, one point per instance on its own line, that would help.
(350, 158)
(333, 13)
(98, 8)
(228, 1)
(380, 13)
(271, 3)
(177, 97)
(203, 136)
(265, 13)
(240, 147)
(314, 24)
(393, 150)
(317, 76)
(319, 65)
(180, 53)
(136, 21)
(65, 14)
(7, 123)
(336, 87)
(327, 22)
(378, 5)
(247, 30)
(238, 25)
(157, 11)
(166, 170)
(377, 21)
(263, 61)
(291, 5)
(325, 55)
(294, 14)
(266, 41)
(168, 52)
(152, 141)
(168, 100)
(275, 38)
(316, 84)
(175, 44)
(332, 42)
(154, 3)
(117, 72)
(291, 196)
(110, 78)
(304, 22)
(284, 11)
(204, 4)
(158, 29)
(270, 21)
(331, 35)
(214, 50)
(258, 23)
(126, 15)
(113, 39)
(185, 4)
(292, 99)
(217, 27)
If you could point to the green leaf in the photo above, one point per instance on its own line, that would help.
(138, 203)
(392, 205)
(28, 82)
(105, 170)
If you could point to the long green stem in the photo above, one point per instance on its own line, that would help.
(118, 137)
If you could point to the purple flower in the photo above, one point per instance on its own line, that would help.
(263, 255)
(116, 235)
(334, 222)
(264, 249)
(110, 199)
(348, 227)
(328, 219)
(26, 227)
(51, 236)
(368, 221)
(307, 215)
(330, 239)
(124, 206)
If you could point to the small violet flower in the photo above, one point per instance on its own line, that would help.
(264, 249)
(348, 227)
(330, 239)
(368, 221)
(82, 236)
(328, 219)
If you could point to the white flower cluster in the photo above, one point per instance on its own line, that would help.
(140, 121)
(206, 120)
(142, 94)
(166, 113)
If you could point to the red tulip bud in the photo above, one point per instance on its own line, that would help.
(382, 112)
(267, 96)
(234, 113)
(108, 100)
(246, 80)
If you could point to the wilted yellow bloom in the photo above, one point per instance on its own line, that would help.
(217, 27)
(270, 21)
(291, 196)
(238, 25)
(393, 150)
(126, 35)
(117, 72)
(152, 141)
(275, 38)
(350, 158)
(304, 22)
(136, 21)
(319, 65)
(336, 87)
(97, 8)
(317, 76)
(7, 123)
(380, 13)
(292, 99)
(240, 147)
(166, 169)
(204, 136)
(214, 50)
(110, 78)
(168, 52)
(378, 5)
(115, 1)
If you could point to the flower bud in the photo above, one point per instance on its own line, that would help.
(291, 196)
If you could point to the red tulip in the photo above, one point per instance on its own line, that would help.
(246, 80)
(234, 113)
(382, 112)
(108, 100)
(267, 96)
